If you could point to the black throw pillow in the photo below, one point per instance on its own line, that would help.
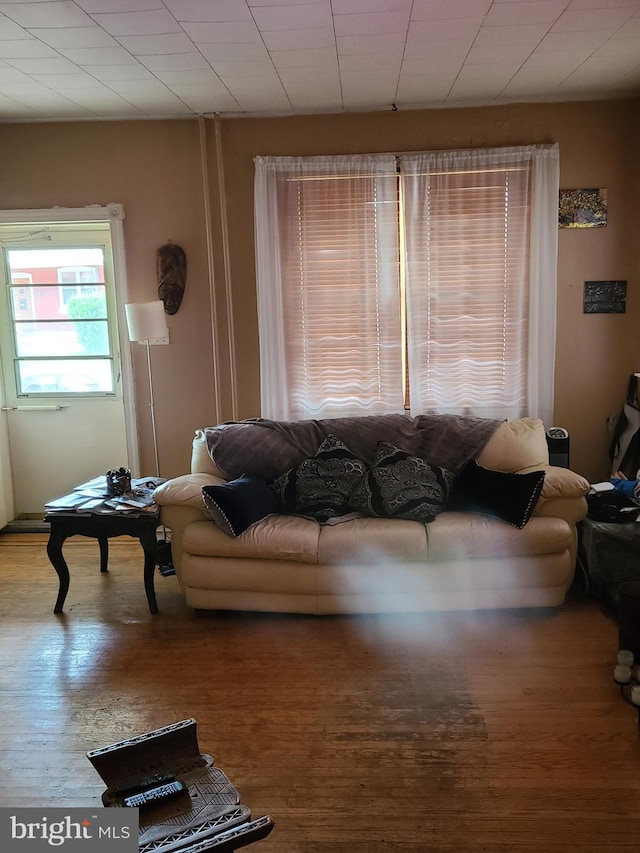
(399, 485)
(236, 505)
(498, 494)
(320, 486)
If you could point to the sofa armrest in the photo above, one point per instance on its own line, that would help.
(185, 490)
(563, 493)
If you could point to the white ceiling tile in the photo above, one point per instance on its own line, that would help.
(366, 24)
(10, 30)
(321, 56)
(249, 52)
(446, 49)
(326, 77)
(92, 6)
(201, 77)
(349, 7)
(293, 17)
(126, 88)
(26, 90)
(75, 37)
(138, 23)
(378, 43)
(106, 73)
(514, 52)
(60, 82)
(226, 32)
(593, 19)
(56, 13)
(255, 3)
(371, 50)
(444, 66)
(468, 90)
(567, 59)
(494, 75)
(205, 10)
(450, 28)
(296, 39)
(176, 62)
(629, 30)
(207, 101)
(145, 45)
(520, 34)
(622, 47)
(434, 10)
(389, 63)
(601, 4)
(518, 13)
(47, 65)
(85, 56)
(25, 48)
(589, 39)
(225, 68)
(417, 89)
(9, 74)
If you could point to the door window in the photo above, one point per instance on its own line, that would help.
(61, 301)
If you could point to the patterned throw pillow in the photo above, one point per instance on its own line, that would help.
(399, 485)
(320, 487)
(498, 494)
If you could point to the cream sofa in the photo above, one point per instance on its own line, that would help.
(459, 561)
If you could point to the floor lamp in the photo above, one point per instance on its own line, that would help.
(146, 322)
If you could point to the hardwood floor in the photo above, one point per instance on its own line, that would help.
(495, 731)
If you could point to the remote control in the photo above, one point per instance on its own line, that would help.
(162, 792)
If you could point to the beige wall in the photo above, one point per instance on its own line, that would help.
(154, 169)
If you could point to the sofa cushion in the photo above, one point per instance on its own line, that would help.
(236, 505)
(400, 485)
(508, 497)
(516, 444)
(320, 487)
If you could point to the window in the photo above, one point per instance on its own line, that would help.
(60, 296)
(424, 281)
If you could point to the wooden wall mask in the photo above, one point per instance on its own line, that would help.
(172, 276)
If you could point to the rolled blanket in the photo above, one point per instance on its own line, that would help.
(266, 448)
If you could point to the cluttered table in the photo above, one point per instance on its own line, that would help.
(91, 509)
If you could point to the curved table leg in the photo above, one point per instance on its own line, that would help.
(149, 544)
(54, 552)
(103, 541)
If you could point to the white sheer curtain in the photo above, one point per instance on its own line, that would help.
(467, 296)
(327, 269)
(480, 231)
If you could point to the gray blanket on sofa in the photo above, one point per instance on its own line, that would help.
(267, 448)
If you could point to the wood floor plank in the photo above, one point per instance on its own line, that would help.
(496, 731)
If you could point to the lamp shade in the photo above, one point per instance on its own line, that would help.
(146, 320)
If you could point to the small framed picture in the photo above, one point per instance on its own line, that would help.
(582, 208)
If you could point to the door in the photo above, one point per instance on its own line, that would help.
(63, 409)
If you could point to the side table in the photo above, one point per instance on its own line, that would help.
(102, 527)
(610, 555)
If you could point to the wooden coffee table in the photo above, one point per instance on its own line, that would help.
(102, 527)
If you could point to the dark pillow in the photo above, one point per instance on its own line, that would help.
(236, 505)
(320, 486)
(399, 485)
(509, 497)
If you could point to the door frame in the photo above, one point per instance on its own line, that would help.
(114, 214)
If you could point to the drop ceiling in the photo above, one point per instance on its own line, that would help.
(129, 59)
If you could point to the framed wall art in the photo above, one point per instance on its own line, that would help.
(585, 208)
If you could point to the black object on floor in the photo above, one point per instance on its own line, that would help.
(164, 559)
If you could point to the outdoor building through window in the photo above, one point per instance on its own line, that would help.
(60, 299)
(422, 281)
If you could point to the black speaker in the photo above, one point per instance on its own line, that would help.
(558, 444)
